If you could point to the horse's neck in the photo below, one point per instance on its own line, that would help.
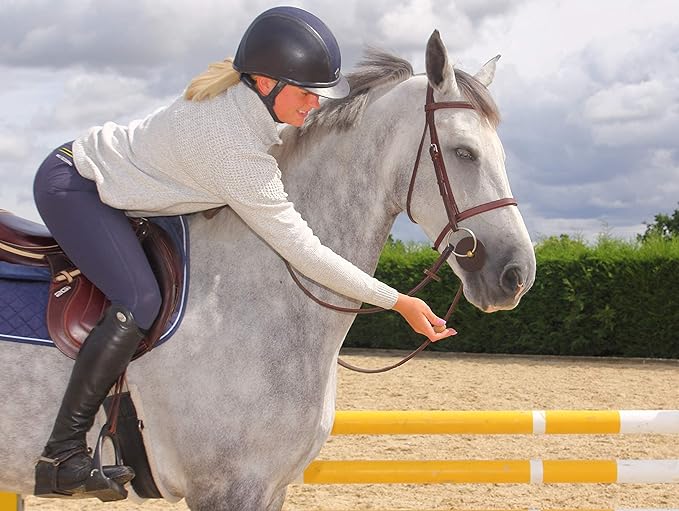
(339, 186)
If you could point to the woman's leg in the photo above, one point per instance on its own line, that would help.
(101, 242)
(96, 237)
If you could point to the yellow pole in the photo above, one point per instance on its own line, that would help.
(11, 502)
(417, 472)
(421, 422)
(464, 422)
(580, 471)
(461, 471)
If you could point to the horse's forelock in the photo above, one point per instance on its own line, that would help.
(477, 94)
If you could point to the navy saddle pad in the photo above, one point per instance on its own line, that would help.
(24, 291)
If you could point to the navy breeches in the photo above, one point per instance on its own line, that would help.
(98, 239)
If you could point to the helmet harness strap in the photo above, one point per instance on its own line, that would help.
(268, 99)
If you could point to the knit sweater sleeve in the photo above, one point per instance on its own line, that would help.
(255, 192)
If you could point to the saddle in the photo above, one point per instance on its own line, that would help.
(75, 305)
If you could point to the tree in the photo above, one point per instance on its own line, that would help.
(664, 226)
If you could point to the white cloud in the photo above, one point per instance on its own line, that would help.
(629, 102)
(13, 147)
(93, 98)
(637, 114)
(407, 22)
(660, 132)
(478, 9)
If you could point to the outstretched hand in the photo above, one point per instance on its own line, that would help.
(421, 318)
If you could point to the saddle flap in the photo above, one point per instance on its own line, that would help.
(74, 307)
(166, 263)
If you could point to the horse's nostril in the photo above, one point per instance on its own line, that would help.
(512, 280)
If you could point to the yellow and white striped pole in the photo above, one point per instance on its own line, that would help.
(506, 422)
(492, 471)
(11, 502)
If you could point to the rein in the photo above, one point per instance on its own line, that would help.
(470, 252)
(431, 274)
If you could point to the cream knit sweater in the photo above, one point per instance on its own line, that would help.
(196, 155)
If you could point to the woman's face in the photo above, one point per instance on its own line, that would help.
(292, 104)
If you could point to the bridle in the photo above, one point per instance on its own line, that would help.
(469, 251)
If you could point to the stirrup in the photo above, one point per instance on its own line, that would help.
(98, 485)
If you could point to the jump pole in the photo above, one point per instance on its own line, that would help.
(506, 422)
(492, 471)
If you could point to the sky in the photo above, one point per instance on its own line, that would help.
(588, 89)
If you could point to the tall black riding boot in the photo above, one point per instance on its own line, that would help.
(66, 464)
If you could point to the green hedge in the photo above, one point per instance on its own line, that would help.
(613, 299)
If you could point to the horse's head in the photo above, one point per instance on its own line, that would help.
(474, 162)
(366, 144)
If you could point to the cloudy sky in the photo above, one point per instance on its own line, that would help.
(588, 89)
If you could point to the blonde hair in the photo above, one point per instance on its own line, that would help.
(218, 77)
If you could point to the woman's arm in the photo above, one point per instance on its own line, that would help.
(262, 203)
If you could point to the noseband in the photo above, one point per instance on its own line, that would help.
(469, 251)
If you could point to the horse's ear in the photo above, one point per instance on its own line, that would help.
(439, 71)
(487, 72)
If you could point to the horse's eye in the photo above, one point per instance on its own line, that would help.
(465, 154)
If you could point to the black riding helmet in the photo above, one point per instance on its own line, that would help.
(292, 46)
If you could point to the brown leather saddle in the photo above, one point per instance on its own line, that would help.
(75, 305)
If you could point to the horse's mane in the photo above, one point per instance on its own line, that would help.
(378, 70)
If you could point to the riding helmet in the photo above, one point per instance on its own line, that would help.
(293, 46)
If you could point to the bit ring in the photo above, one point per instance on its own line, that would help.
(470, 253)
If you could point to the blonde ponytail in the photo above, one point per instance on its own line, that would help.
(218, 77)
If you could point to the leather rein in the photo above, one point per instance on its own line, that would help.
(470, 253)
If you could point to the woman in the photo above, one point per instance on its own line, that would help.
(207, 149)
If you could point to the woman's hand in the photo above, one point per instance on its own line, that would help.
(421, 319)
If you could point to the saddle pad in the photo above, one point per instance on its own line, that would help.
(24, 291)
(23, 302)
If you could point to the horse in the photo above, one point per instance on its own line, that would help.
(242, 398)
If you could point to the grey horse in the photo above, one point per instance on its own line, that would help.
(242, 398)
